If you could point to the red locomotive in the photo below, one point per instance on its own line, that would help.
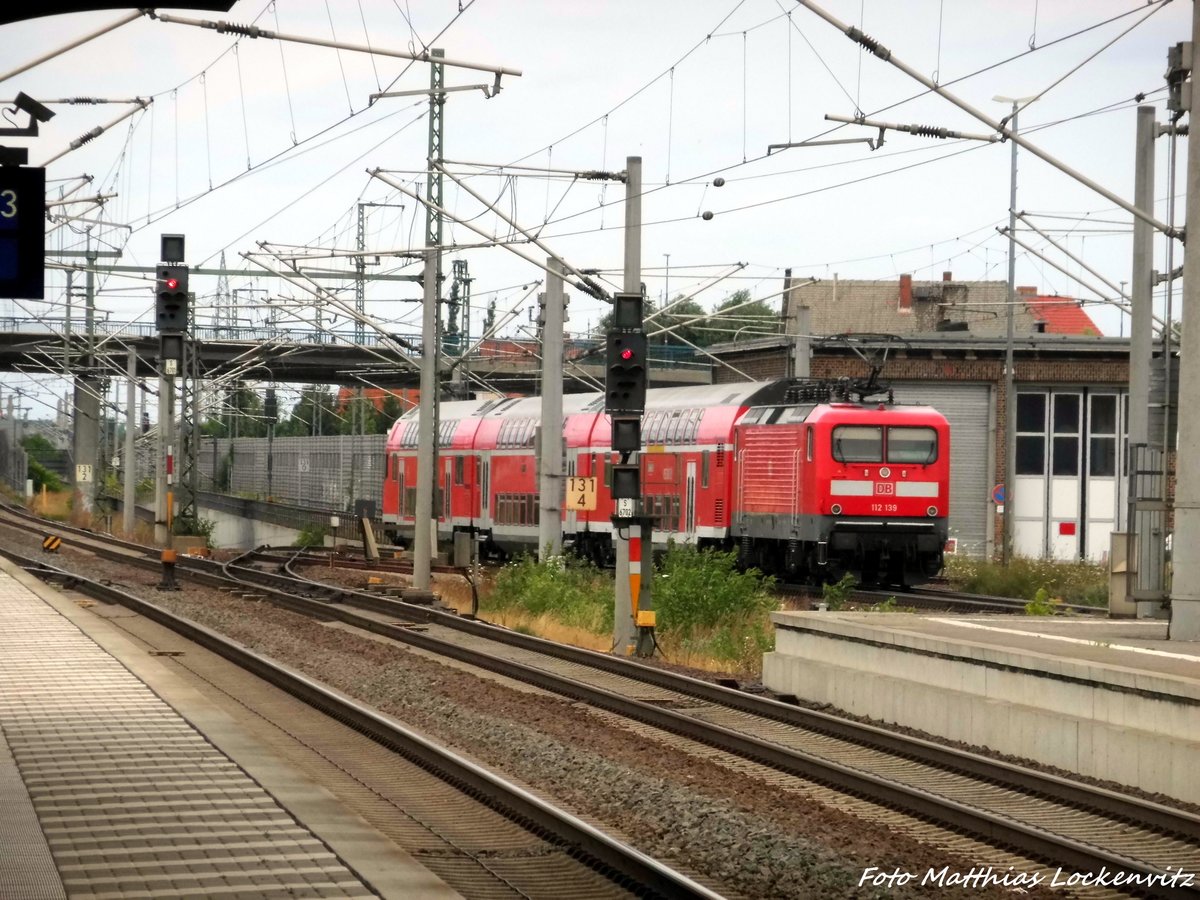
(802, 479)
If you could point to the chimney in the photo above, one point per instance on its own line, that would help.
(947, 276)
(906, 294)
(1026, 291)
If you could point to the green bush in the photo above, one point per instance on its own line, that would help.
(1070, 582)
(701, 589)
(195, 527)
(43, 476)
(312, 536)
(574, 592)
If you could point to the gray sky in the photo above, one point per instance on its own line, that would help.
(256, 140)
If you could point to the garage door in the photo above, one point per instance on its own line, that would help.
(967, 408)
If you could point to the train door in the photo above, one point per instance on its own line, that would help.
(484, 480)
(689, 501)
(447, 492)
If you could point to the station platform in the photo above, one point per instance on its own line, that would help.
(117, 780)
(1110, 699)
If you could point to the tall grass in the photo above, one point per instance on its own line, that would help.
(1070, 582)
(709, 614)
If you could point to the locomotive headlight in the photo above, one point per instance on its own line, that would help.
(836, 509)
(933, 510)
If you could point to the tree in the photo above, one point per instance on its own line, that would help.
(389, 412)
(314, 414)
(738, 318)
(687, 320)
(241, 416)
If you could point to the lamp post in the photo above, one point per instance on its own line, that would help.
(1010, 400)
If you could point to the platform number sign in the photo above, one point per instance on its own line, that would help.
(581, 493)
(22, 232)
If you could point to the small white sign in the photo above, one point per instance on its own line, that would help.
(625, 508)
(334, 521)
(83, 473)
(116, 462)
(170, 367)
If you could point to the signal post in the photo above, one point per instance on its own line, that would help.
(171, 317)
(626, 377)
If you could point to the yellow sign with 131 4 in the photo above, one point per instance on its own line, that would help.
(581, 493)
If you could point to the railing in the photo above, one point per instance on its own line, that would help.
(581, 351)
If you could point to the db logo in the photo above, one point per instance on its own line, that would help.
(885, 487)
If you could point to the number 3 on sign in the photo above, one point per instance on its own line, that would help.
(581, 493)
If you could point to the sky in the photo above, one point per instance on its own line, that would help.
(255, 142)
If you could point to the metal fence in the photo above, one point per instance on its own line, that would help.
(329, 472)
(14, 464)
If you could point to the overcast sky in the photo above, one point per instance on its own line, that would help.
(251, 141)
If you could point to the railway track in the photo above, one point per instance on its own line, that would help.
(626, 867)
(1040, 817)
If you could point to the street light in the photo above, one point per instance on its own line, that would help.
(1010, 400)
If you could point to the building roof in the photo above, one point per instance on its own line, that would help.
(904, 306)
(1061, 315)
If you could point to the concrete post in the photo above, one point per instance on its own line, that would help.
(1185, 588)
(160, 467)
(1140, 349)
(130, 431)
(797, 321)
(550, 465)
(426, 435)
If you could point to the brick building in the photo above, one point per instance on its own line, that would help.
(1072, 398)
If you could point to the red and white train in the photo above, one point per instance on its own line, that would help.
(801, 484)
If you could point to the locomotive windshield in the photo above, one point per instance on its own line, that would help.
(907, 444)
(858, 443)
(865, 444)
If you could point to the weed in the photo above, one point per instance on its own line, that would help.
(1042, 604)
(312, 536)
(836, 594)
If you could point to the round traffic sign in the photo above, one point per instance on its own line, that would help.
(998, 494)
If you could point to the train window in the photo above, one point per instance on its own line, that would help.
(858, 443)
(752, 416)
(459, 469)
(673, 435)
(808, 443)
(704, 469)
(911, 445)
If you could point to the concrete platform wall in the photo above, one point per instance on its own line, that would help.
(1057, 712)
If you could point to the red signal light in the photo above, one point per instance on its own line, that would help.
(627, 354)
(171, 284)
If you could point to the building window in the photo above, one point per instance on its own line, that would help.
(1102, 446)
(1031, 434)
(1065, 460)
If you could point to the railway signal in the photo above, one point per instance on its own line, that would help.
(171, 298)
(626, 373)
